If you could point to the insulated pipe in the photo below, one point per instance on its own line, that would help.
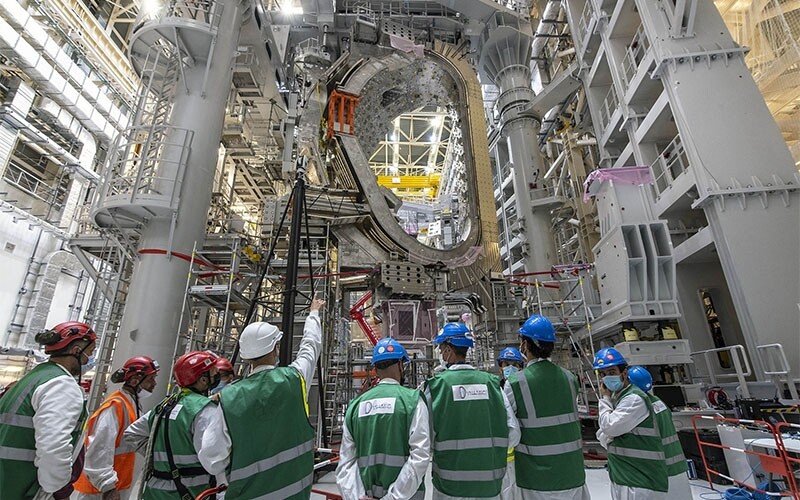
(158, 287)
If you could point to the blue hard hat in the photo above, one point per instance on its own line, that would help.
(456, 334)
(538, 328)
(640, 377)
(510, 354)
(387, 349)
(608, 357)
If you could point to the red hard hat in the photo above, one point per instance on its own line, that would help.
(190, 366)
(224, 365)
(63, 334)
(137, 365)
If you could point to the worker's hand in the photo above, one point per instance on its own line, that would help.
(604, 390)
(111, 495)
(317, 304)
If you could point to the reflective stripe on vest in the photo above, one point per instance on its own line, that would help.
(669, 440)
(469, 475)
(674, 460)
(382, 459)
(161, 456)
(631, 453)
(169, 484)
(470, 444)
(16, 420)
(124, 454)
(271, 462)
(550, 449)
(288, 491)
(20, 454)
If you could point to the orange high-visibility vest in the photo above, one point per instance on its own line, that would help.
(124, 457)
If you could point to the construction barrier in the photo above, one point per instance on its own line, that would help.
(777, 464)
(327, 494)
(789, 441)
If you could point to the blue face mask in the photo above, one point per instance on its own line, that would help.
(508, 371)
(90, 363)
(613, 382)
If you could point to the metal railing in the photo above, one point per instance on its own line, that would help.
(203, 11)
(737, 354)
(39, 188)
(586, 18)
(148, 170)
(776, 366)
(671, 163)
(634, 54)
(608, 106)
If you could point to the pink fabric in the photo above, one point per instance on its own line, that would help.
(406, 45)
(635, 176)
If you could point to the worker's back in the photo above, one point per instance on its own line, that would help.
(272, 441)
(550, 454)
(470, 430)
(379, 421)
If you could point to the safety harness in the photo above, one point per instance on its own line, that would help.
(176, 473)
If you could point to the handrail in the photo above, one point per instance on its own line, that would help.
(737, 365)
(772, 370)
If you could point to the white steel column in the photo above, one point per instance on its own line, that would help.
(505, 59)
(150, 322)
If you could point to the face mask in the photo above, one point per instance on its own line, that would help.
(90, 363)
(144, 394)
(613, 382)
(508, 371)
(215, 380)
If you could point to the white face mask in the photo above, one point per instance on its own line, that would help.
(508, 371)
(144, 394)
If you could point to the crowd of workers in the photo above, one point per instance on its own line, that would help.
(481, 436)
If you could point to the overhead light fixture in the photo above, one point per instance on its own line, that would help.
(150, 8)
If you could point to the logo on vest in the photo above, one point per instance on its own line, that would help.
(376, 407)
(470, 392)
(659, 406)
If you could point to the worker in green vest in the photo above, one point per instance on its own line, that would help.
(184, 434)
(42, 417)
(629, 431)
(271, 446)
(549, 458)
(385, 450)
(472, 423)
(679, 487)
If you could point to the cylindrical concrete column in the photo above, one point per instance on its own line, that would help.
(152, 313)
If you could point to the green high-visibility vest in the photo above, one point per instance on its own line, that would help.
(470, 430)
(272, 454)
(550, 454)
(636, 459)
(379, 421)
(18, 478)
(181, 419)
(673, 453)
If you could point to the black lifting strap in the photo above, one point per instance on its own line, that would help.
(174, 472)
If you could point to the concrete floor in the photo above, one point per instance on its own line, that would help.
(597, 479)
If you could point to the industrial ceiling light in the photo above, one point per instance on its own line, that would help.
(150, 8)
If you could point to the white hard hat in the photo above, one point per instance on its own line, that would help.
(258, 339)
